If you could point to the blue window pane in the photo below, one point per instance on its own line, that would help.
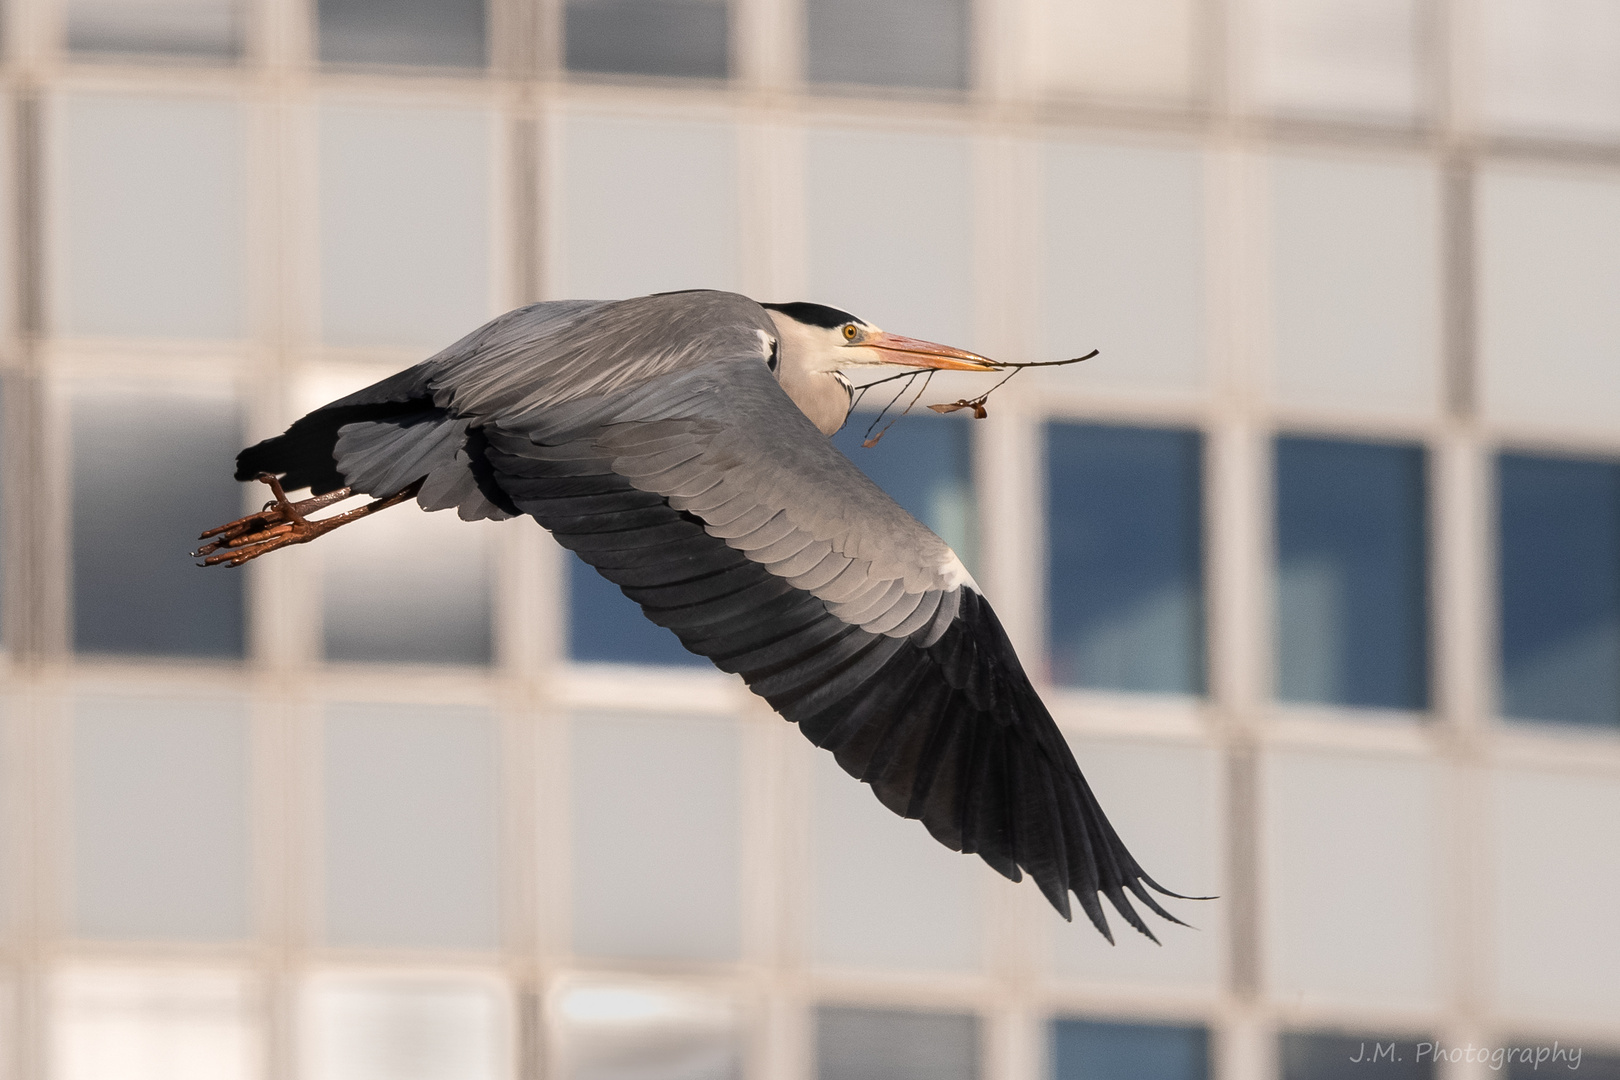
(1086, 1050)
(1534, 1058)
(889, 42)
(1311, 1056)
(895, 1044)
(682, 38)
(1351, 593)
(150, 472)
(1125, 598)
(925, 463)
(1560, 589)
(605, 626)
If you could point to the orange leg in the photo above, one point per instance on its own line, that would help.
(282, 522)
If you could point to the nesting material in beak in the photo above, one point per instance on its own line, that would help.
(913, 352)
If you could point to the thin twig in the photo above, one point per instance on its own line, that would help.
(872, 440)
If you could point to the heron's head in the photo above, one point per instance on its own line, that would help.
(817, 343)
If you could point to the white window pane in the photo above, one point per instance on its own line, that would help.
(1555, 872)
(1352, 58)
(412, 826)
(1123, 263)
(179, 27)
(406, 586)
(1551, 68)
(627, 229)
(151, 214)
(151, 470)
(1355, 282)
(656, 832)
(1132, 49)
(1351, 888)
(1165, 803)
(405, 205)
(885, 893)
(159, 815)
(407, 1029)
(891, 240)
(1549, 275)
(129, 1024)
(639, 1030)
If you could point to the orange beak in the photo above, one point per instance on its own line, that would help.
(913, 352)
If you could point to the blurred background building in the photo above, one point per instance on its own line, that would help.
(1318, 563)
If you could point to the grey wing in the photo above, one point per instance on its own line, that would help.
(711, 500)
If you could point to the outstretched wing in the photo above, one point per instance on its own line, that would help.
(715, 504)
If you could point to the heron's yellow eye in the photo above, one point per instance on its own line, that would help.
(849, 331)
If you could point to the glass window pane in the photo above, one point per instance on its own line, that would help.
(1355, 282)
(885, 894)
(437, 33)
(444, 1028)
(921, 43)
(638, 1030)
(1553, 865)
(925, 463)
(1549, 270)
(130, 1024)
(627, 230)
(406, 586)
(910, 204)
(1143, 50)
(1165, 802)
(151, 214)
(412, 824)
(1352, 58)
(160, 819)
(895, 1044)
(1352, 886)
(1559, 589)
(176, 27)
(605, 626)
(405, 214)
(1124, 548)
(1551, 68)
(655, 799)
(688, 38)
(1123, 267)
(151, 470)
(1352, 589)
(1313, 1056)
(1094, 1050)
(1535, 1053)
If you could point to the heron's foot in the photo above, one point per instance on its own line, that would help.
(281, 523)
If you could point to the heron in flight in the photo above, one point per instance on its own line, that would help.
(678, 443)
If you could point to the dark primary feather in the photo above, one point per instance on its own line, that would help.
(710, 499)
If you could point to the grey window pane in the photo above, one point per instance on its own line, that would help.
(174, 27)
(1311, 1056)
(895, 1044)
(150, 472)
(635, 1030)
(655, 799)
(408, 587)
(605, 626)
(925, 463)
(1352, 627)
(1124, 543)
(435, 33)
(412, 825)
(922, 43)
(1091, 1050)
(160, 819)
(649, 37)
(1532, 1056)
(150, 217)
(1559, 581)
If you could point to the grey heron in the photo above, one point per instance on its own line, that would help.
(678, 443)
